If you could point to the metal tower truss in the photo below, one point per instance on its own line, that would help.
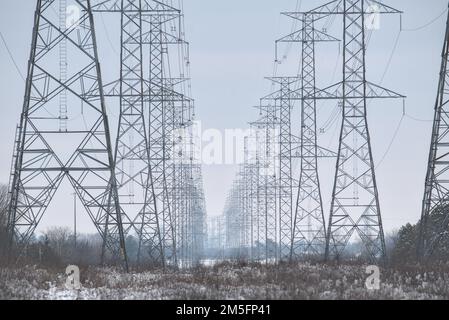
(239, 219)
(146, 7)
(309, 231)
(133, 171)
(231, 214)
(180, 183)
(166, 110)
(251, 204)
(132, 159)
(435, 217)
(160, 131)
(242, 184)
(81, 150)
(282, 100)
(257, 206)
(191, 216)
(214, 242)
(268, 184)
(355, 202)
(199, 215)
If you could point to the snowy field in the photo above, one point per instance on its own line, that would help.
(226, 281)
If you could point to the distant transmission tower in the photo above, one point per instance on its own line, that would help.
(309, 232)
(265, 190)
(159, 125)
(355, 201)
(282, 100)
(435, 216)
(49, 148)
(149, 115)
(269, 180)
(133, 170)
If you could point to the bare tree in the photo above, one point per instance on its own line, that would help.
(59, 239)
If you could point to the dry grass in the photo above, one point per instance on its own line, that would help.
(229, 281)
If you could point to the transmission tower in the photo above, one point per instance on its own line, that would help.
(251, 174)
(282, 100)
(435, 217)
(48, 147)
(160, 130)
(133, 171)
(257, 219)
(267, 186)
(146, 144)
(309, 232)
(355, 200)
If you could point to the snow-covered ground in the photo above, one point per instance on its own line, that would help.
(226, 281)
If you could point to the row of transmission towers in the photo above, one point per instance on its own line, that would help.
(140, 180)
(274, 211)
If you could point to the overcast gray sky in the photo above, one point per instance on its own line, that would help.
(232, 50)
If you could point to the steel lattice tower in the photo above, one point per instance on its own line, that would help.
(282, 100)
(270, 185)
(232, 218)
(255, 193)
(159, 131)
(251, 201)
(164, 111)
(268, 182)
(355, 200)
(435, 218)
(132, 157)
(133, 167)
(309, 231)
(182, 181)
(41, 143)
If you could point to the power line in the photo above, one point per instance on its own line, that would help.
(11, 56)
(391, 57)
(427, 24)
(393, 139)
(417, 119)
(108, 36)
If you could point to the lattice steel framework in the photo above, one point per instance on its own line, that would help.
(198, 216)
(355, 200)
(250, 185)
(45, 153)
(282, 100)
(215, 240)
(133, 166)
(268, 180)
(435, 217)
(159, 128)
(232, 219)
(256, 210)
(270, 187)
(183, 183)
(166, 111)
(251, 174)
(309, 231)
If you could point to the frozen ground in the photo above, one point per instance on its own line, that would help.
(226, 281)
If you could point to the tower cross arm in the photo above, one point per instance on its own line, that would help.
(337, 7)
(298, 36)
(373, 91)
(148, 6)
